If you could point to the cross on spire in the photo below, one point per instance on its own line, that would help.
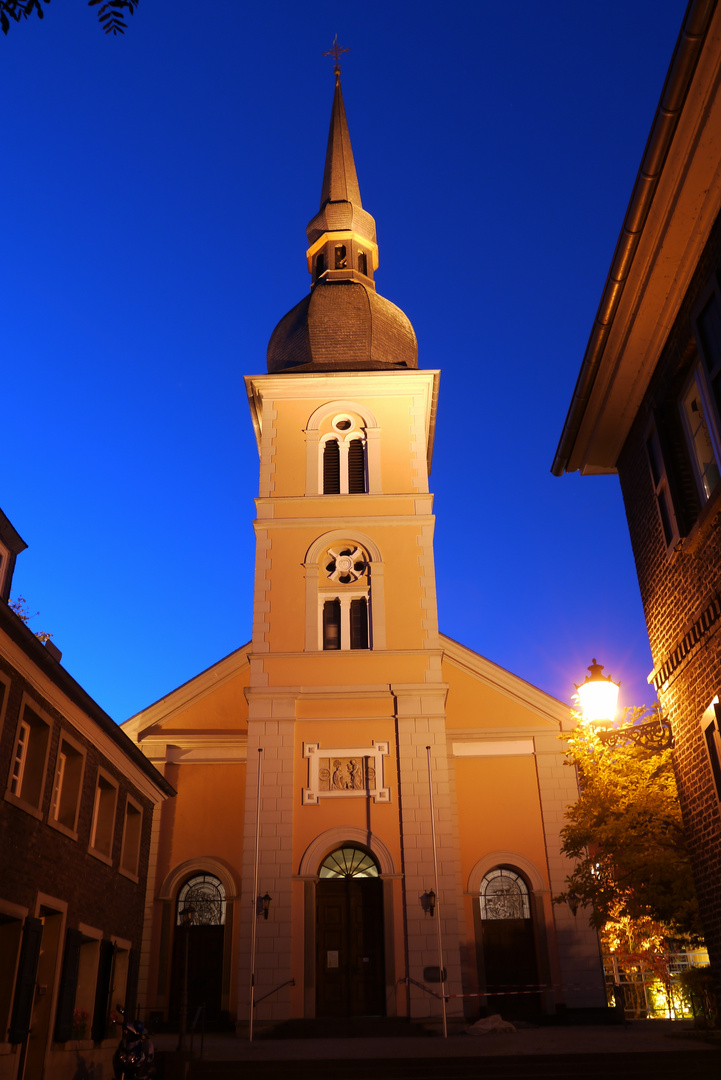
(335, 51)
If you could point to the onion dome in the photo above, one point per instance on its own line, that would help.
(343, 325)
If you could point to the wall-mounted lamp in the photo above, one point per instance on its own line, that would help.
(431, 896)
(265, 901)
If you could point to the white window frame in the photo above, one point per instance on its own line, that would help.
(345, 598)
(698, 381)
(28, 730)
(365, 425)
(98, 808)
(661, 487)
(344, 442)
(131, 871)
(60, 779)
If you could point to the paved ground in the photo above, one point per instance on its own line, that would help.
(639, 1037)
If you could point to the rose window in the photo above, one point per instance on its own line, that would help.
(347, 565)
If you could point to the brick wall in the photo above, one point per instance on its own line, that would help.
(39, 858)
(679, 589)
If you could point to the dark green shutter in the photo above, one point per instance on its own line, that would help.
(102, 990)
(25, 984)
(68, 986)
(131, 990)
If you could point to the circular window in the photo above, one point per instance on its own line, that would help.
(343, 423)
(346, 564)
(348, 862)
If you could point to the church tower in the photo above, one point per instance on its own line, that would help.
(368, 813)
(346, 691)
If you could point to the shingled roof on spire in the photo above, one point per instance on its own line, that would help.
(340, 199)
(340, 182)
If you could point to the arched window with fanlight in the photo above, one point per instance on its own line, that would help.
(201, 902)
(348, 862)
(509, 943)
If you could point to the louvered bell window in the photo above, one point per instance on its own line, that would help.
(331, 468)
(356, 467)
(359, 623)
(331, 624)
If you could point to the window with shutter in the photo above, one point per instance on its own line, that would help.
(356, 467)
(359, 623)
(331, 624)
(331, 468)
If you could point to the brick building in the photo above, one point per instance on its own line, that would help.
(647, 405)
(75, 826)
(304, 762)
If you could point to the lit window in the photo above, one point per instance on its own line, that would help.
(103, 827)
(132, 833)
(701, 435)
(27, 771)
(712, 736)
(340, 257)
(67, 785)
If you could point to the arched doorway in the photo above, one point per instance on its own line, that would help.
(350, 959)
(198, 948)
(509, 945)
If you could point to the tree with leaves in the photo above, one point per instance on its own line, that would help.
(19, 605)
(111, 13)
(627, 835)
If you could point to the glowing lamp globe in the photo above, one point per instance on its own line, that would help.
(598, 695)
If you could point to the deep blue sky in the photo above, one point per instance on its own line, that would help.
(155, 192)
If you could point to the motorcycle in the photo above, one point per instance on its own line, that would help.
(133, 1059)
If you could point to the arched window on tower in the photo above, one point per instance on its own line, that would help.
(344, 458)
(363, 262)
(319, 265)
(344, 599)
(340, 257)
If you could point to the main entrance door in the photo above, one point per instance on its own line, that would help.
(350, 967)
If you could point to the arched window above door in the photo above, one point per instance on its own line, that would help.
(504, 895)
(201, 900)
(348, 862)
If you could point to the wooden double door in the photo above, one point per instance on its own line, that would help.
(350, 959)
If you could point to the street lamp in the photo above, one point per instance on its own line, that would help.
(598, 697)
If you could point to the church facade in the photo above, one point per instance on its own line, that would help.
(368, 813)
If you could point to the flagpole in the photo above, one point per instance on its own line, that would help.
(254, 923)
(438, 897)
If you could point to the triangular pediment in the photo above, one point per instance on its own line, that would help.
(188, 710)
(484, 695)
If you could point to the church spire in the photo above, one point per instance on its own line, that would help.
(342, 235)
(340, 182)
(343, 324)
